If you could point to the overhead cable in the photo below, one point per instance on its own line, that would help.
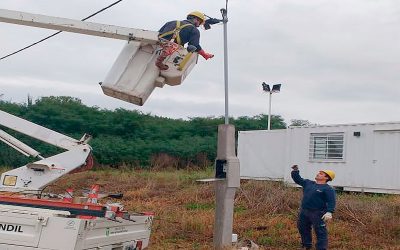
(58, 32)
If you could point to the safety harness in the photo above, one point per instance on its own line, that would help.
(168, 47)
(175, 32)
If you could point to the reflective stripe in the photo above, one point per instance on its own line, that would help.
(175, 32)
(184, 61)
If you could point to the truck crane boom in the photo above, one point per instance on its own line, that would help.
(34, 176)
(75, 26)
(133, 76)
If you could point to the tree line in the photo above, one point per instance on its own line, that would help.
(125, 137)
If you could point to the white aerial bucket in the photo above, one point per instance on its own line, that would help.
(134, 74)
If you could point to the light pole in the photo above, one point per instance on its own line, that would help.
(224, 13)
(227, 166)
(275, 89)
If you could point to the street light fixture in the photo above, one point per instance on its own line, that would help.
(276, 88)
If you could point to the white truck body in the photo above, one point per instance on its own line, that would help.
(28, 220)
(38, 228)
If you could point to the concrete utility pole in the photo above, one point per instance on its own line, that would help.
(228, 173)
(227, 170)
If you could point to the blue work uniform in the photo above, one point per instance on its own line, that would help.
(188, 33)
(317, 200)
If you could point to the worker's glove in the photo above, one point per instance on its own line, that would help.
(327, 216)
(205, 54)
(295, 167)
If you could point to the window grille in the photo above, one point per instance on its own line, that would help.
(326, 146)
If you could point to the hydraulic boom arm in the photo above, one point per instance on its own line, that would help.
(37, 175)
(75, 26)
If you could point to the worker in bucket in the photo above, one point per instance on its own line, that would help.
(317, 207)
(182, 32)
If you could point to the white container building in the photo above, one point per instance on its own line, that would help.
(365, 157)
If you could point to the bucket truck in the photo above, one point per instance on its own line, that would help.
(31, 219)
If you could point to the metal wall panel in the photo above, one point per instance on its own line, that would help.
(262, 153)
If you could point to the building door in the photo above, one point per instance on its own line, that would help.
(386, 160)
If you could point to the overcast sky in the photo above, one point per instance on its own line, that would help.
(337, 60)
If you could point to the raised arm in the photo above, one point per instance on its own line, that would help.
(296, 176)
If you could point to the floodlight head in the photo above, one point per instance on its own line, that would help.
(266, 87)
(276, 88)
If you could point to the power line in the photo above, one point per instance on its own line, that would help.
(58, 32)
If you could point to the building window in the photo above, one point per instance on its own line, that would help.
(326, 146)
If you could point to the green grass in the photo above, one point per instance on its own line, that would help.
(199, 206)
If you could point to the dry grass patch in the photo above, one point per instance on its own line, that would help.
(265, 212)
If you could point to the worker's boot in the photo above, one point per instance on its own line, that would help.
(160, 63)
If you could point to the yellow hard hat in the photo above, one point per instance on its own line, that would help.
(198, 14)
(330, 173)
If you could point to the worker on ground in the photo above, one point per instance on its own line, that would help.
(317, 206)
(182, 32)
